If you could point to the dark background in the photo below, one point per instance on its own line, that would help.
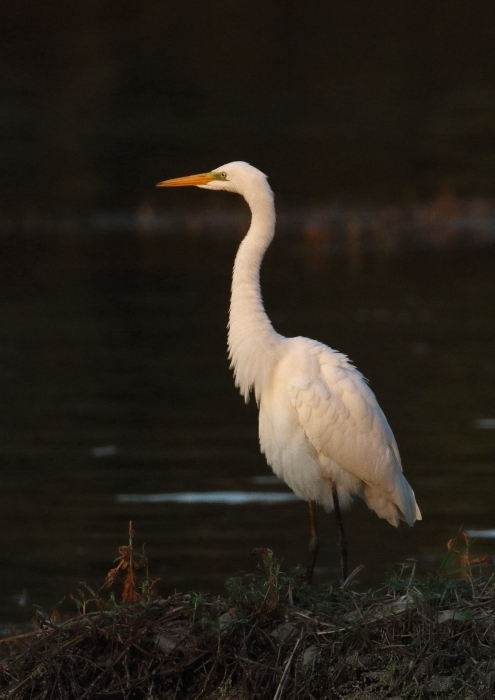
(389, 100)
(375, 120)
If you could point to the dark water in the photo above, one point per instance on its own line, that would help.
(114, 380)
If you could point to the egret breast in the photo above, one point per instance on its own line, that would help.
(287, 449)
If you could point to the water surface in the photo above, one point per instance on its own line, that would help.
(115, 384)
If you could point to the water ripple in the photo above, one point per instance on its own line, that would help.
(228, 497)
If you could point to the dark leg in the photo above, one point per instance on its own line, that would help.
(313, 542)
(342, 539)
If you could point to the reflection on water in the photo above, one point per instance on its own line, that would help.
(481, 534)
(114, 380)
(232, 498)
(485, 423)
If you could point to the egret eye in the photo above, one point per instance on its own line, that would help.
(223, 175)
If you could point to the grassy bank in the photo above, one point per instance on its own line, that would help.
(269, 637)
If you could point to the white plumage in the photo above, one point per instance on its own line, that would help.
(330, 418)
(320, 425)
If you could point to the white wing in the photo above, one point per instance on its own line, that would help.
(345, 425)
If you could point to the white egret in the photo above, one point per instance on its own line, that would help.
(320, 426)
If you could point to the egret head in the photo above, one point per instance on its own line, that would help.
(237, 177)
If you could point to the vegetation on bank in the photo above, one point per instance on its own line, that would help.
(271, 636)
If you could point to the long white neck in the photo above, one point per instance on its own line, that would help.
(253, 343)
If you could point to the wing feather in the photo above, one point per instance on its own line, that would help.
(345, 425)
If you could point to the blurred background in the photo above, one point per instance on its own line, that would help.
(375, 121)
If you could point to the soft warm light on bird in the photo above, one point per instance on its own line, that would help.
(320, 426)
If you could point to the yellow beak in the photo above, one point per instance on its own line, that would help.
(201, 179)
